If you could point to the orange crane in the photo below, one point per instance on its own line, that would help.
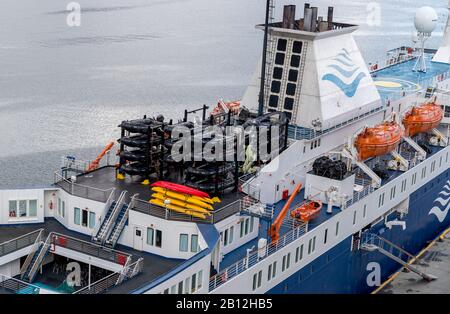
(274, 231)
(94, 164)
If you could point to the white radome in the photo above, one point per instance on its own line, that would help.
(426, 20)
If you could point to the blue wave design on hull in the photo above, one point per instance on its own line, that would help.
(348, 89)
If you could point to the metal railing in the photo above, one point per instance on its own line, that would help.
(14, 285)
(108, 224)
(117, 229)
(107, 207)
(255, 257)
(112, 280)
(81, 190)
(19, 242)
(38, 261)
(32, 252)
(89, 248)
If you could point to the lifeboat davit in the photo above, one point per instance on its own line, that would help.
(422, 119)
(378, 140)
(307, 211)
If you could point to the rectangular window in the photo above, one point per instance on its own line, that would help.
(180, 287)
(255, 278)
(59, 206)
(91, 220)
(32, 208)
(364, 211)
(187, 285)
(150, 236)
(193, 283)
(77, 216)
(158, 240)
(283, 264)
(184, 239)
(259, 278)
(241, 227)
(199, 279)
(230, 240)
(12, 208)
(22, 208)
(325, 237)
(288, 261)
(337, 228)
(173, 289)
(247, 221)
(194, 243)
(354, 217)
(225, 238)
(310, 246)
(252, 222)
(84, 218)
(63, 209)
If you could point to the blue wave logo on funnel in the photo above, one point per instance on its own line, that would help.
(349, 74)
(442, 204)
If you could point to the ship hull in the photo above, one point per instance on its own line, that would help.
(343, 270)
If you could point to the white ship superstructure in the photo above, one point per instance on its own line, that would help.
(381, 209)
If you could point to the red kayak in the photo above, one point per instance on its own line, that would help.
(179, 188)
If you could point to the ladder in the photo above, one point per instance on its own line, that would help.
(372, 242)
(270, 55)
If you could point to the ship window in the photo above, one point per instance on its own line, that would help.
(252, 223)
(180, 287)
(84, 218)
(32, 208)
(297, 47)
(299, 253)
(283, 264)
(293, 75)
(288, 115)
(290, 89)
(276, 86)
(230, 240)
(199, 279)
(269, 273)
(184, 239)
(364, 211)
(424, 172)
(337, 228)
(150, 236)
(12, 208)
(166, 291)
(354, 217)
(173, 289)
(273, 101)
(187, 284)
(279, 59)
(325, 238)
(225, 238)
(288, 103)
(158, 240)
(194, 243)
(295, 61)
(76, 216)
(277, 73)
(59, 206)
(91, 220)
(63, 209)
(288, 261)
(282, 43)
(193, 283)
(311, 245)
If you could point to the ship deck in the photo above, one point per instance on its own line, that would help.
(154, 266)
(399, 80)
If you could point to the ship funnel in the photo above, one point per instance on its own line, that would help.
(307, 20)
(330, 17)
(289, 16)
(315, 13)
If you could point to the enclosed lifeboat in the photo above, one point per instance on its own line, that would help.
(307, 211)
(378, 140)
(422, 119)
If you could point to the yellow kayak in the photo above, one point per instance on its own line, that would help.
(181, 204)
(178, 209)
(182, 197)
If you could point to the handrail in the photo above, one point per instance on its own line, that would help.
(255, 257)
(112, 218)
(15, 285)
(105, 212)
(119, 226)
(112, 279)
(14, 244)
(71, 188)
(33, 250)
(44, 249)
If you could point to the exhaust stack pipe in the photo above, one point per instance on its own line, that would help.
(330, 17)
(289, 16)
(315, 13)
(308, 19)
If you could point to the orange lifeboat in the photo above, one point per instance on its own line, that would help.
(422, 119)
(307, 211)
(378, 140)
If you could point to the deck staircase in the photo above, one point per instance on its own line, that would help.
(372, 242)
(113, 208)
(34, 260)
(119, 223)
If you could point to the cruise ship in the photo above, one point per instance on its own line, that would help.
(335, 174)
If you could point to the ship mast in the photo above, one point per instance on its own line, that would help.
(269, 7)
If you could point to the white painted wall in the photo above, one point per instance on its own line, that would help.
(10, 269)
(26, 194)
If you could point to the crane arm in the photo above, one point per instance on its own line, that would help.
(94, 164)
(274, 231)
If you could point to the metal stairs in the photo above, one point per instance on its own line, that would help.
(115, 208)
(34, 260)
(372, 242)
(120, 222)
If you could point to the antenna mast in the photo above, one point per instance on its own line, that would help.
(269, 17)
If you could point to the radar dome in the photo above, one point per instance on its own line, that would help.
(426, 20)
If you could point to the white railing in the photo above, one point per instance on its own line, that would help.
(20, 242)
(108, 204)
(255, 257)
(14, 285)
